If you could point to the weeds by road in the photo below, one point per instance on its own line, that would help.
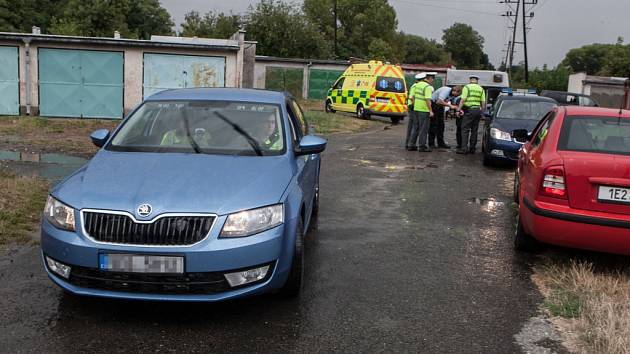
(328, 123)
(590, 303)
(21, 203)
(42, 135)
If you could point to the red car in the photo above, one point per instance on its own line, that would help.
(573, 180)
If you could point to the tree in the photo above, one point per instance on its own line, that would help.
(283, 30)
(359, 24)
(420, 50)
(211, 25)
(465, 45)
(100, 18)
(22, 15)
(588, 58)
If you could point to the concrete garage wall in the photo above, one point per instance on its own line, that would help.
(133, 52)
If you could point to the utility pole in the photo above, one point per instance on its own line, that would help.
(532, 2)
(509, 15)
(335, 25)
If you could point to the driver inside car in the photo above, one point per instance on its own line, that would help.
(178, 136)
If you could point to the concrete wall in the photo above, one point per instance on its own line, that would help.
(133, 68)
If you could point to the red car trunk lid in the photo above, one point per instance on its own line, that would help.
(586, 173)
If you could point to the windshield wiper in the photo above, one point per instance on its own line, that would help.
(251, 141)
(191, 140)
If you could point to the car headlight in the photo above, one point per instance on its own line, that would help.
(500, 134)
(249, 222)
(59, 214)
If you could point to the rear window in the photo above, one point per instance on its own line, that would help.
(390, 84)
(606, 135)
(516, 109)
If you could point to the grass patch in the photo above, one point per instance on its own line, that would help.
(21, 203)
(597, 302)
(327, 123)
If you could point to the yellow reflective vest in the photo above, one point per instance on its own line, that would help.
(474, 96)
(422, 92)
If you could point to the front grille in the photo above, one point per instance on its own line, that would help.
(187, 283)
(511, 154)
(166, 231)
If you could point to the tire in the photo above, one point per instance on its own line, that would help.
(294, 283)
(487, 160)
(516, 188)
(522, 241)
(361, 112)
(395, 120)
(328, 107)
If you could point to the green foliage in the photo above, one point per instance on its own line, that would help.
(132, 18)
(283, 30)
(600, 59)
(423, 51)
(465, 45)
(555, 79)
(359, 24)
(211, 25)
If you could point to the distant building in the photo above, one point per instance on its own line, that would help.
(608, 91)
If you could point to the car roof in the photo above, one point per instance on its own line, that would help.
(528, 98)
(595, 111)
(221, 94)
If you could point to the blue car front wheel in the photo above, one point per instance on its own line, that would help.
(294, 283)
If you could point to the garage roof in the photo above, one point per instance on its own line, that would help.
(158, 42)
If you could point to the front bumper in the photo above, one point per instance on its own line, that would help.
(563, 226)
(503, 150)
(209, 259)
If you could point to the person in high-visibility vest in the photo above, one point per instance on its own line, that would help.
(472, 103)
(413, 120)
(422, 110)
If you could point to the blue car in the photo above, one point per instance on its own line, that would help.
(509, 113)
(199, 195)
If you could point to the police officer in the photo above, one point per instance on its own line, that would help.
(412, 124)
(440, 100)
(423, 110)
(472, 103)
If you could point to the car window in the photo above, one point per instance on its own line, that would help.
(339, 83)
(607, 135)
(212, 127)
(541, 131)
(524, 109)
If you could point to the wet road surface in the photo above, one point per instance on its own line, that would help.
(412, 254)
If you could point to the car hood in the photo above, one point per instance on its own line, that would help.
(174, 182)
(510, 124)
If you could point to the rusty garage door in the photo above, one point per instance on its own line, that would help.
(168, 71)
(80, 83)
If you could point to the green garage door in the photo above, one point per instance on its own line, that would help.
(284, 79)
(80, 83)
(320, 81)
(9, 81)
(168, 71)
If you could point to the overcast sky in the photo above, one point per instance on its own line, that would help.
(558, 25)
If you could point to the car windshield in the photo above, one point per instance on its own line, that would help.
(211, 127)
(608, 135)
(517, 109)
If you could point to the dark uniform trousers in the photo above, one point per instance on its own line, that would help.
(470, 126)
(412, 129)
(458, 130)
(436, 126)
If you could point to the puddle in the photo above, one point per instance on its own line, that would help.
(53, 167)
(489, 204)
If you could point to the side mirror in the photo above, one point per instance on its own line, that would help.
(520, 135)
(99, 137)
(311, 144)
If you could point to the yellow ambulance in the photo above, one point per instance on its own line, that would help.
(370, 88)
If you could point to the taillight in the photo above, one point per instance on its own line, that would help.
(553, 184)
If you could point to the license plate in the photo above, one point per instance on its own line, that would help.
(382, 100)
(613, 194)
(135, 263)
